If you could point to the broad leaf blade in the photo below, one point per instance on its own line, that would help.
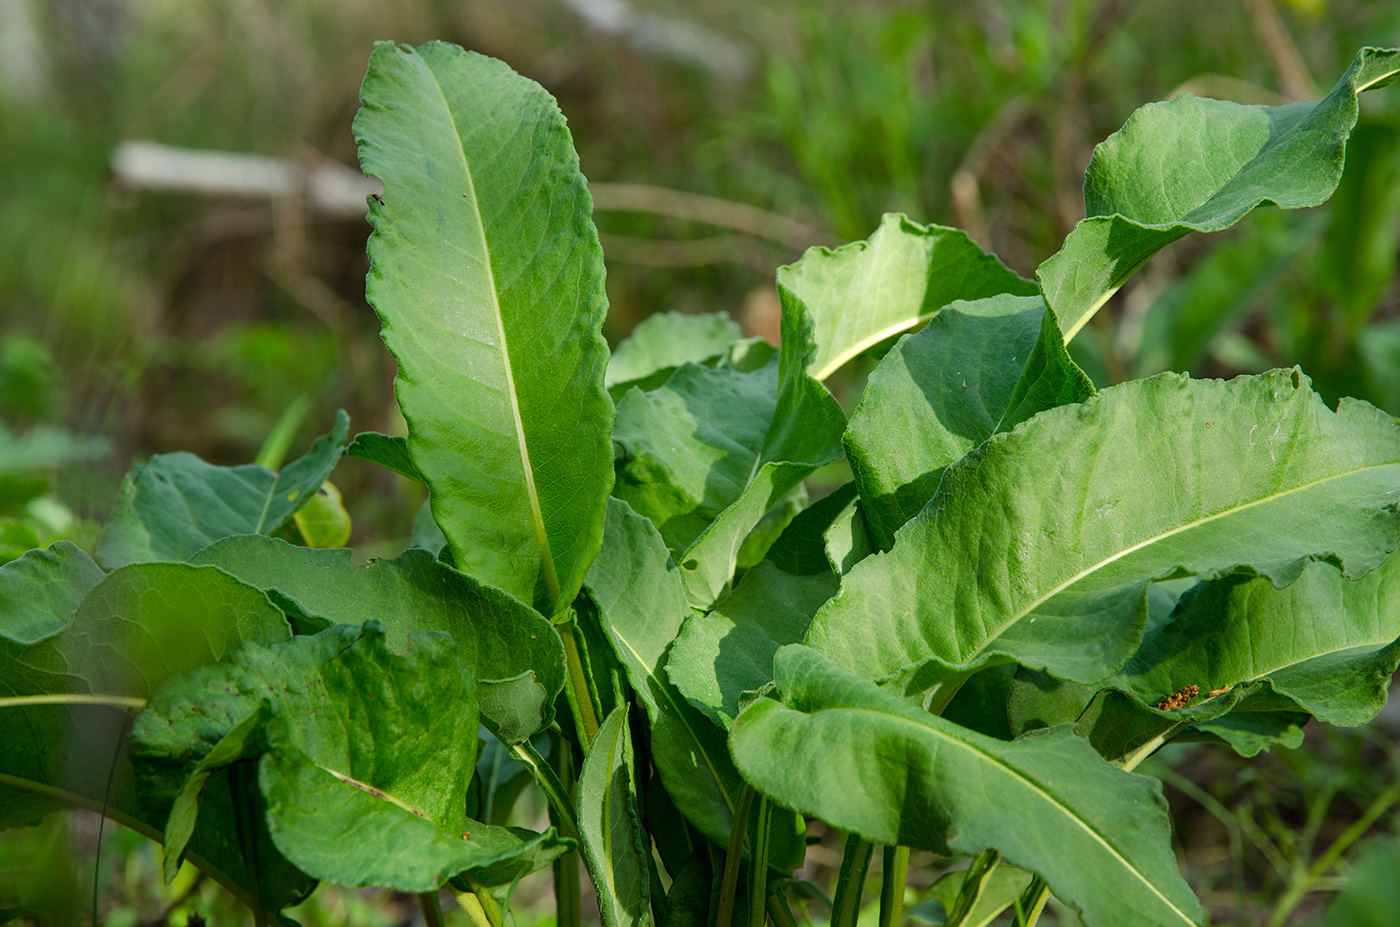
(1100, 837)
(488, 276)
(40, 591)
(1198, 165)
(870, 291)
(1068, 519)
(136, 626)
(721, 655)
(664, 341)
(503, 642)
(338, 804)
(1328, 644)
(691, 447)
(614, 843)
(176, 504)
(976, 369)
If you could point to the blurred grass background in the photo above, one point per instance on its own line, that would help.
(134, 322)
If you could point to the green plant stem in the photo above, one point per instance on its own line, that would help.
(243, 787)
(568, 897)
(850, 882)
(432, 909)
(549, 782)
(1329, 858)
(471, 904)
(729, 882)
(1033, 902)
(486, 900)
(974, 883)
(893, 880)
(1132, 760)
(579, 692)
(778, 909)
(758, 863)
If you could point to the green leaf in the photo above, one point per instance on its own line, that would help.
(426, 533)
(1198, 165)
(133, 629)
(240, 742)
(40, 591)
(722, 655)
(486, 271)
(866, 292)
(1249, 733)
(664, 341)
(1328, 644)
(389, 451)
(641, 606)
(1099, 836)
(176, 503)
(978, 368)
(691, 447)
(338, 805)
(1069, 518)
(610, 827)
(507, 645)
(770, 527)
(848, 539)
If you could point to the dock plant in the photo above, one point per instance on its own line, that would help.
(622, 594)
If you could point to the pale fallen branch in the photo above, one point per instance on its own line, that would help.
(332, 190)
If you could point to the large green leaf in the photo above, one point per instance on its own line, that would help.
(835, 305)
(498, 638)
(719, 656)
(133, 628)
(338, 803)
(868, 762)
(486, 271)
(641, 606)
(688, 449)
(978, 368)
(610, 826)
(1198, 165)
(1040, 546)
(40, 591)
(869, 291)
(1327, 644)
(662, 342)
(176, 504)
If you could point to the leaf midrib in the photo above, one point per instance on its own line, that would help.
(1028, 784)
(536, 515)
(1147, 542)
